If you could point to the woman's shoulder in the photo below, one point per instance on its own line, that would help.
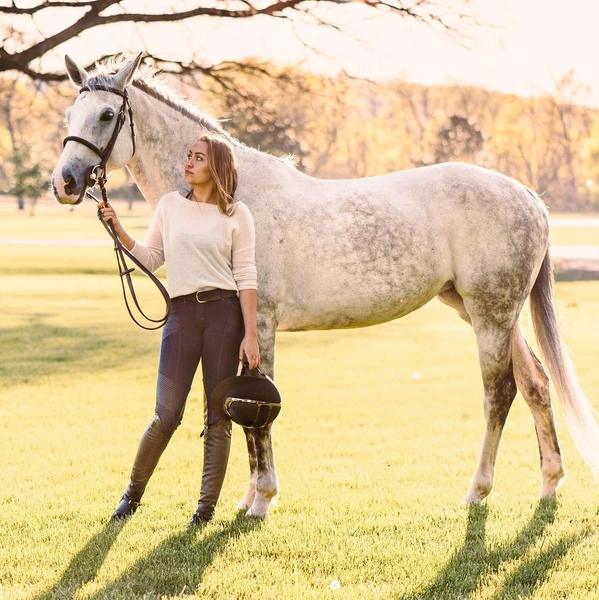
(241, 209)
(174, 196)
(168, 199)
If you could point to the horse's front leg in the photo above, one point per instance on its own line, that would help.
(248, 499)
(264, 481)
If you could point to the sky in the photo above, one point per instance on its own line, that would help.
(530, 46)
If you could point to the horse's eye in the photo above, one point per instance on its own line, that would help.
(107, 115)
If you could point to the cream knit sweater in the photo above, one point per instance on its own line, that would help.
(202, 248)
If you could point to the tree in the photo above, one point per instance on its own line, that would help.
(459, 139)
(25, 135)
(26, 40)
(259, 124)
(29, 179)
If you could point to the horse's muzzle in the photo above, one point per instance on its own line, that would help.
(74, 191)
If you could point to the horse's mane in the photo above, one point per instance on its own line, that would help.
(149, 81)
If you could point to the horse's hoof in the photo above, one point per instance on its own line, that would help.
(548, 491)
(254, 515)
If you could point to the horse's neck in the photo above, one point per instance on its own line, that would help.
(164, 135)
(162, 138)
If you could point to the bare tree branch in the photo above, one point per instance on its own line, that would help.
(26, 49)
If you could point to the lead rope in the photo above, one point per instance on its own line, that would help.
(124, 270)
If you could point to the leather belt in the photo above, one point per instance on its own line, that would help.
(207, 296)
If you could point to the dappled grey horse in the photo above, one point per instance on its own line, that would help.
(353, 253)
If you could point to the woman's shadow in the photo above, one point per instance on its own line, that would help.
(473, 562)
(86, 564)
(177, 564)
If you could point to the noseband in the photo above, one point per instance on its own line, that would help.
(97, 176)
(100, 169)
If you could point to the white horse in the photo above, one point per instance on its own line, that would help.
(352, 253)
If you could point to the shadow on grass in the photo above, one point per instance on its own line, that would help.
(177, 565)
(174, 568)
(38, 349)
(86, 564)
(465, 572)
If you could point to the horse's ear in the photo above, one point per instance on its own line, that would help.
(78, 75)
(125, 75)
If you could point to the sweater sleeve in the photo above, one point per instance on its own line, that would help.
(151, 252)
(243, 250)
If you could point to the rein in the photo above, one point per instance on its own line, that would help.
(97, 176)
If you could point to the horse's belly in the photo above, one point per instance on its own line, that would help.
(356, 305)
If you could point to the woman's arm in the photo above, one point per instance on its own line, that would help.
(249, 348)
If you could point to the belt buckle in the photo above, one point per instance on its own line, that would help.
(198, 298)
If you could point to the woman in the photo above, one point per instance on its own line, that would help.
(206, 240)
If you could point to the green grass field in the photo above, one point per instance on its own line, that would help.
(375, 446)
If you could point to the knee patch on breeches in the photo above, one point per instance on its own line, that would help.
(169, 407)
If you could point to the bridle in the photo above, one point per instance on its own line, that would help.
(120, 121)
(97, 176)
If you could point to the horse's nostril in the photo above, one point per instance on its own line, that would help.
(70, 183)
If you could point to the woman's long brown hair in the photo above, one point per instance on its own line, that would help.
(223, 168)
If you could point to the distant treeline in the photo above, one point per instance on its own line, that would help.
(344, 128)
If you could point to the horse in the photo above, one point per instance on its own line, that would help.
(358, 252)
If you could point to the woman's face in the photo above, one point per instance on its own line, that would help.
(197, 167)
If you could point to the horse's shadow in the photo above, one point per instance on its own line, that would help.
(465, 572)
(177, 564)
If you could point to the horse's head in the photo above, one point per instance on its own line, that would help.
(100, 131)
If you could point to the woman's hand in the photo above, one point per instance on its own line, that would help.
(250, 351)
(108, 214)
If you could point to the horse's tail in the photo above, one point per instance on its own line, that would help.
(578, 411)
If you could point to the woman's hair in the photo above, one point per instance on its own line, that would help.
(223, 168)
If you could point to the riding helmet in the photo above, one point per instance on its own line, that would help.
(249, 399)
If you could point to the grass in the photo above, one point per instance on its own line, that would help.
(375, 447)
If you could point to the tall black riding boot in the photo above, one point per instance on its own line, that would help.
(151, 446)
(217, 444)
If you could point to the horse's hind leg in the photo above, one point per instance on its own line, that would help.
(494, 351)
(493, 338)
(534, 386)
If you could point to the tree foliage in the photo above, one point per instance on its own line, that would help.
(459, 139)
(28, 178)
(339, 127)
(259, 123)
(351, 128)
(26, 135)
